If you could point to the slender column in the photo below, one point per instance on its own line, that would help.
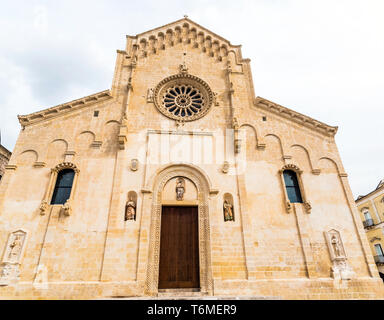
(305, 231)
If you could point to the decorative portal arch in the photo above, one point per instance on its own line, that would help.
(202, 185)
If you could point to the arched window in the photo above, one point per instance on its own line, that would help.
(63, 186)
(292, 186)
(367, 215)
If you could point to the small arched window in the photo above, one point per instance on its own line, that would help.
(367, 215)
(292, 186)
(63, 186)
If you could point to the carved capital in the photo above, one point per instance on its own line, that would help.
(307, 207)
(288, 206)
(66, 208)
(43, 207)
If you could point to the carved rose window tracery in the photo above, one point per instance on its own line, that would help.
(183, 97)
(183, 100)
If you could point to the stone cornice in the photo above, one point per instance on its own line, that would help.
(64, 108)
(296, 117)
(5, 152)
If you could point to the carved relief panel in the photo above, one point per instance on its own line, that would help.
(340, 269)
(9, 268)
(14, 247)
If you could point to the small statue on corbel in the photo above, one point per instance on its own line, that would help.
(183, 68)
(43, 207)
(150, 95)
(215, 99)
(124, 120)
(66, 208)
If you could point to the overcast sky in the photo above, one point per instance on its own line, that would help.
(321, 58)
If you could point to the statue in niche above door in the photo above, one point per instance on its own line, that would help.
(180, 189)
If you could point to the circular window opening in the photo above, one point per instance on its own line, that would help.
(183, 97)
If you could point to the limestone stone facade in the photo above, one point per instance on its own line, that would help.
(180, 127)
(5, 154)
(371, 210)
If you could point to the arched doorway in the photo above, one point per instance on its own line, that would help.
(191, 209)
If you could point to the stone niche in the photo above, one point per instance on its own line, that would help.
(13, 252)
(169, 194)
(340, 269)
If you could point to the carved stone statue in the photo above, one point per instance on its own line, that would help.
(340, 269)
(150, 95)
(15, 247)
(336, 246)
(228, 211)
(130, 210)
(180, 189)
(183, 68)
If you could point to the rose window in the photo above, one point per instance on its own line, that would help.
(183, 97)
(183, 100)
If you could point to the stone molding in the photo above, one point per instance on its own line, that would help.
(296, 117)
(61, 109)
(206, 282)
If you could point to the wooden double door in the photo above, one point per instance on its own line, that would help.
(179, 248)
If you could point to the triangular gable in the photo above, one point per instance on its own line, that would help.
(183, 31)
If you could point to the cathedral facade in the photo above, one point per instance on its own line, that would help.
(179, 178)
